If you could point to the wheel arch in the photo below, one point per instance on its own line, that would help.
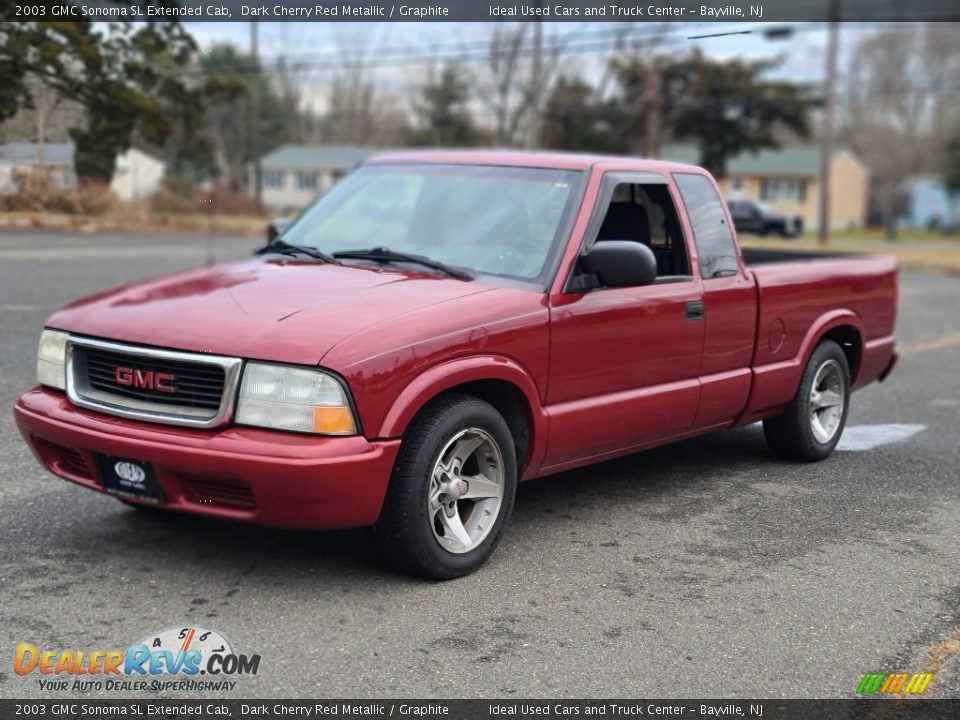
(497, 380)
(844, 327)
(776, 383)
(850, 340)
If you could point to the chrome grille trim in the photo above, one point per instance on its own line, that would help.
(82, 394)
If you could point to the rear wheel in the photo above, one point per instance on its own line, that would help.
(452, 490)
(810, 427)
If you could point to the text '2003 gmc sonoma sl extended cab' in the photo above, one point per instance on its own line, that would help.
(441, 325)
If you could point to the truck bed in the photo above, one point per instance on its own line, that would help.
(765, 256)
(798, 293)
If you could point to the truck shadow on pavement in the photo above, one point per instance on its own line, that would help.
(542, 506)
(721, 497)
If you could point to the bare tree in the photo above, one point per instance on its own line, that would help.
(355, 106)
(49, 120)
(504, 94)
(521, 67)
(641, 52)
(289, 77)
(900, 101)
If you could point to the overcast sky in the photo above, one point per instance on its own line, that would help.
(802, 53)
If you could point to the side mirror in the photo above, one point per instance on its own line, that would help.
(275, 227)
(620, 263)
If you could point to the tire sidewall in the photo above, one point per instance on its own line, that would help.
(480, 415)
(824, 352)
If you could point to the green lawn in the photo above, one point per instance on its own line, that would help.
(878, 234)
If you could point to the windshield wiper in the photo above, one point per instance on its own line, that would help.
(385, 255)
(284, 248)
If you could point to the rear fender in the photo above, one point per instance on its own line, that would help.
(775, 384)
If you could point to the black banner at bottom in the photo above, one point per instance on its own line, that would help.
(542, 709)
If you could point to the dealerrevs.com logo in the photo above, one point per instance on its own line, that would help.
(186, 658)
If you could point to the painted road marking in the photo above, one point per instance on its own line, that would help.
(944, 402)
(867, 437)
(935, 344)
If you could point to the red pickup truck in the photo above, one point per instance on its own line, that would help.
(441, 325)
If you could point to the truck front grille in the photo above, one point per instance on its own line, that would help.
(142, 383)
(193, 385)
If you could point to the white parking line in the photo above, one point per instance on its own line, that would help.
(867, 437)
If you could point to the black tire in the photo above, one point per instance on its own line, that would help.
(791, 435)
(404, 534)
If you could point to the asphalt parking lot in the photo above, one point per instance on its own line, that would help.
(704, 569)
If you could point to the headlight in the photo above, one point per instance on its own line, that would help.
(52, 359)
(291, 398)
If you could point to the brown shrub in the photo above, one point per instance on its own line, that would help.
(218, 200)
(35, 191)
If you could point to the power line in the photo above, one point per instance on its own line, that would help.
(474, 51)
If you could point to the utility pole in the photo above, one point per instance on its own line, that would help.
(826, 131)
(254, 119)
(536, 85)
(653, 108)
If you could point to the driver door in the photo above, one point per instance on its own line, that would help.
(624, 362)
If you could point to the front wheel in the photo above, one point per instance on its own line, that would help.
(452, 490)
(810, 427)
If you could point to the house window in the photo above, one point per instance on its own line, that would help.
(783, 190)
(306, 181)
(272, 179)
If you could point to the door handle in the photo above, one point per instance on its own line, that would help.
(694, 311)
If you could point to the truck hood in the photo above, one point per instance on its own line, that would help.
(284, 310)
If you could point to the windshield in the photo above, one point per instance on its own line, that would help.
(501, 221)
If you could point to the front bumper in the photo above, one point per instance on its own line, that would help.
(262, 476)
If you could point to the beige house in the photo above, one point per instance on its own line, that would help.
(787, 180)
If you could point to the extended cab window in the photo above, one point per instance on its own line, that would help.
(715, 246)
(646, 214)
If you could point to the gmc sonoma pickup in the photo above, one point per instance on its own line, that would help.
(441, 325)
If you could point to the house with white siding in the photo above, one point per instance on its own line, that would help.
(137, 174)
(24, 158)
(293, 175)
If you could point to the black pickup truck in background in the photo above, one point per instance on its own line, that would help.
(753, 217)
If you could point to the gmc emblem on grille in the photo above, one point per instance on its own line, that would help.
(147, 379)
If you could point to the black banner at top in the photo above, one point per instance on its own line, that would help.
(737, 11)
